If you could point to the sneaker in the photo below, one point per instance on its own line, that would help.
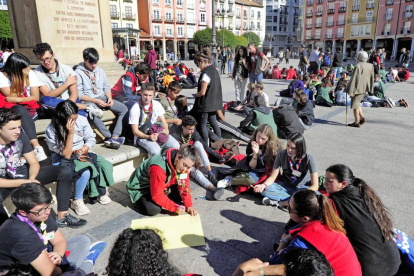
(225, 158)
(105, 199)
(121, 140)
(113, 143)
(94, 251)
(268, 202)
(94, 112)
(70, 221)
(217, 193)
(212, 178)
(225, 183)
(390, 103)
(40, 153)
(79, 207)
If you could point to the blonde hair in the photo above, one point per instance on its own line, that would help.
(259, 87)
(272, 145)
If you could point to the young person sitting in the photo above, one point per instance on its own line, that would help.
(392, 75)
(168, 78)
(168, 103)
(259, 115)
(147, 186)
(143, 117)
(192, 77)
(403, 74)
(70, 139)
(31, 237)
(19, 166)
(379, 99)
(323, 97)
(299, 172)
(128, 87)
(94, 89)
(383, 73)
(291, 74)
(257, 91)
(59, 82)
(304, 109)
(320, 229)
(276, 73)
(287, 120)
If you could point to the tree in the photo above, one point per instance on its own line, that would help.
(229, 39)
(5, 28)
(241, 40)
(203, 37)
(252, 37)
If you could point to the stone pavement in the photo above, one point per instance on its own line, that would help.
(239, 227)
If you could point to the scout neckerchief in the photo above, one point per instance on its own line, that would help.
(294, 168)
(93, 80)
(188, 140)
(181, 182)
(172, 109)
(42, 227)
(147, 112)
(49, 74)
(7, 154)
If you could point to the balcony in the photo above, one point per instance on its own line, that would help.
(114, 15)
(245, 16)
(238, 27)
(202, 22)
(190, 6)
(179, 20)
(319, 13)
(169, 34)
(310, 2)
(284, 12)
(308, 37)
(238, 16)
(387, 17)
(129, 16)
(308, 26)
(230, 27)
(258, 28)
(342, 10)
(158, 34)
(317, 37)
(309, 14)
(328, 36)
(329, 24)
(385, 32)
(408, 0)
(169, 20)
(331, 11)
(405, 30)
(251, 16)
(408, 15)
(251, 28)
(339, 35)
(368, 19)
(157, 19)
(245, 28)
(229, 13)
(370, 6)
(318, 25)
(319, 1)
(389, 3)
(355, 8)
(340, 22)
(283, 23)
(168, 3)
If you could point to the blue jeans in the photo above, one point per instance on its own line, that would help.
(230, 66)
(82, 181)
(280, 191)
(255, 78)
(52, 102)
(337, 72)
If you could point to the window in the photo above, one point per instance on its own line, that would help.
(341, 18)
(251, 25)
(180, 17)
(308, 34)
(269, 18)
(157, 30)
(342, 4)
(409, 8)
(329, 33)
(407, 26)
(388, 14)
(355, 18)
(155, 2)
(238, 23)
(202, 17)
(258, 25)
(129, 25)
(168, 16)
(179, 3)
(237, 32)
(238, 13)
(190, 4)
(180, 31)
(340, 31)
(317, 33)
(168, 2)
(275, 28)
(258, 15)
(387, 27)
(112, 10)
(275, 19)
(190, 17)
(244, 24)
(169, 30)
(128, 11)
(190, 32)
(319, 9)
(268, 28)
(114, 25)
(309, 10)
(331, 6)
(251, 13)
(370, 14)
(157, 14)
(245, 14)
(330, 19)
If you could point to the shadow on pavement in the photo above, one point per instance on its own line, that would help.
(327, 122)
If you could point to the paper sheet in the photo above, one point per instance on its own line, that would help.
(175, 231)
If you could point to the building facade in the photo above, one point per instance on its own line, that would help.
(334, 30)
(250, 17)
(3, 5)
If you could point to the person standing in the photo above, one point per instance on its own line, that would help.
(326, 61)
(255, 62)
(151, 60)
(314, 61)
(403, 57)
(6, 55)
(223, 60)
(303, 60)
(229, 60)
(119, 55)
(240, 74)
(287, 56)
(338, 62)
(362, 81)
(281, 56)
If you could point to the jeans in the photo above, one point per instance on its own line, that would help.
(120, 110)
(255, 78)
(200, 178)
(28, 124)
(230, 66)
(211, 117)
(337, 72)
(82, 181)
(303, 68)
(279, 191)
(52, 102)
(203, 155)
(153, 148)
(78, 247)
(240, 87)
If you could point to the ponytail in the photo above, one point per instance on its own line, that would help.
(331, 219)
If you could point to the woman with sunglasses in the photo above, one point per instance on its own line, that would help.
(209, 97)
(19, 91)
(367, 222)
(321, 229)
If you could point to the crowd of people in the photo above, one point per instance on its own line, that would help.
(150, 113)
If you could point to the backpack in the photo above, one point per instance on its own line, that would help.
(327, 60)
(406, 247)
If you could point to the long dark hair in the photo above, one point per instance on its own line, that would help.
(374, 204)
(182, 106)
(300, 144)
(13, 69)
(318, 207)
(237, 58)
(61, 115)
(139, 252)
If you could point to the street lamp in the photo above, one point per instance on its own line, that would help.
(270, 37)
(222, 15)
(213, 25)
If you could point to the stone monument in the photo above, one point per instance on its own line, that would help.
(69, 26)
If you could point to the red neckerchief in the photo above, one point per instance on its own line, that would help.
(149, 111)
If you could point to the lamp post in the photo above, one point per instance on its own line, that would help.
(213, 35)
(223, 14)
(270, 42)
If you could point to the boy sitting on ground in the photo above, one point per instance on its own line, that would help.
(378, 98)
(291, 74)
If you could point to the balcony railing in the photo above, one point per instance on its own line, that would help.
(229, 13)
(355, 8)
(158, 34)
(341, 9)
(385, 32)
(238, 27)
(408, 0)
(389, 2)
(179, 20)
(368, 19)
(331, 0)
(328, 35)
(339, 35)
(284, 12)
(331, 11)
(316, 37)
(318, 13)
(251, 28)
(340, 22)
(370, 6)
(157, 19)
(318, 25)
(245, 28)
(387, 16)
(169, 20)
(408, 15)
(361, 20)
(114, 14)
(230, 27)
(308, 37)
(245, 16)
(308, 26)
(238, 16)
(309, 14)
(251, 15)
(202, 22)
(283, 23)
(258, 28)
(329, 24)
(221, 1)
(191, 21)
(169, 34)
(129, 16)
(405, 30)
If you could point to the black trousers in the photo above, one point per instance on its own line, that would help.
(148, 207)
(27, 121)
(47, 174)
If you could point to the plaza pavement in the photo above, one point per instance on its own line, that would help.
(239, 227)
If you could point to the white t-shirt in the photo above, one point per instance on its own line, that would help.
(135, 113)
(5, 56)
(33, 79)
(133, 51)
(206, 78)
(264, 96)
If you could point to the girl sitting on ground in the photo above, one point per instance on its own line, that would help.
(283, 73)
(257, 91)
(299, 172)
(70, 138)
(367, 221)
(321, 229)
(304, 109)
(323, 97)
(276, 72)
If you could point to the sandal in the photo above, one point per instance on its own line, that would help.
(362, 121)
(355, 125)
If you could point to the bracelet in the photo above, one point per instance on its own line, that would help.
(261, 271)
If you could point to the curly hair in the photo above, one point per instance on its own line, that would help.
(41, 48)
(300, 261)
(139, 252)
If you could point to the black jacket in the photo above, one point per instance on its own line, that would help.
(213, 99)
(305, 113)
(287, 121)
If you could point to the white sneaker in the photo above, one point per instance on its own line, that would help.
(40, 153)
(79, 207)
(267, 201)
(94, 112)
(390, 103)
(105, 199)
(225, 183)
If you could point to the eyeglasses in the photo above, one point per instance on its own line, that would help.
(42, 211)
(43, 60)
(290, 211)
(190, 129)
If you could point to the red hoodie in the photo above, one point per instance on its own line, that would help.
(291, 74)
(151, 59)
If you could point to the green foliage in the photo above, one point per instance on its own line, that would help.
(203, 37)
(252, 37)
(241, 40)
(229, 39)
(5, 28)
